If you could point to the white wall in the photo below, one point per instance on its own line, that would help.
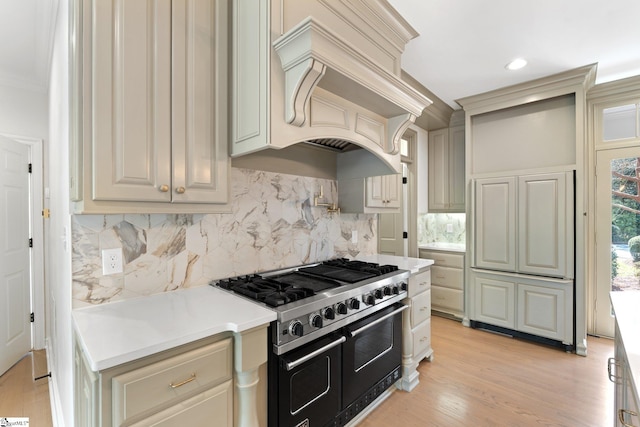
(24, 112)
(58, 262)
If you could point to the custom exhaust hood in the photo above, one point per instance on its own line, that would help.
(335, 86)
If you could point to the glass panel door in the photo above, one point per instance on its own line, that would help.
(617, 230)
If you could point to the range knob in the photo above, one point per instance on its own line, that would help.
(341, 308)
(403, 286)
(387, 290)
(354, 304)
(369, 299)
(315, 320)
(329, 313)
(395, 289)
(378, 293)
(295, 328)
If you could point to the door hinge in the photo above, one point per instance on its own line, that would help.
(404, 180)
(405, 235)
(30, 168)
(30, 242)
(32, 317)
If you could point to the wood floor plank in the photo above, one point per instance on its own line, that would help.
(482, 379)
(22, 396)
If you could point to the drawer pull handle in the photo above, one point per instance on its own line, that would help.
(621, 413)
(440, 276)
(181, 383)
(423, 339)
(424, 308)
(423, 283)
(612, 375)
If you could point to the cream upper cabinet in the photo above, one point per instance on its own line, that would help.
(446, 170)
(154, 106)
(377, 194)
(384, 191)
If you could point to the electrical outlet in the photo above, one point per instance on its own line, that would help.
(449, 228)
(111, 261)
(354, 236)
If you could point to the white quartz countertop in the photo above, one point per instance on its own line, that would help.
(443, 246)
(625, 307)
(415, 265)
(120, 332)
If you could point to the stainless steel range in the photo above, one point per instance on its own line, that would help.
(336, 343)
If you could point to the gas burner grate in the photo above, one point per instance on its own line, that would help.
(264, 290)
(366, 267)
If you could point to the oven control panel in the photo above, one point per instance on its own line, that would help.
(309, 326)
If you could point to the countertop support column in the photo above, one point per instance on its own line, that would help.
(250, 352)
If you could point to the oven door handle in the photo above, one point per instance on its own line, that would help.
(291, 365)
(375, 322)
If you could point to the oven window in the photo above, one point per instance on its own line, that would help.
(372, 344)
(310, 383)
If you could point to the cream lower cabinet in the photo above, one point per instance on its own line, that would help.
(529, 304)
(627, 406)
(447, 282)
(416, 328)
(214, 382)
(151, 101)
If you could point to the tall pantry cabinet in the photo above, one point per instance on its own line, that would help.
(525, 170)
(150, 93)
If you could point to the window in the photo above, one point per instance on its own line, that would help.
(620, 122)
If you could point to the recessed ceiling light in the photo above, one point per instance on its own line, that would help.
(516, 64)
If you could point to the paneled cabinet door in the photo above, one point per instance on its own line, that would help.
(131, 99)
(495, 301)
(543, 209)
(438, 159)
(446, 170)
(495, 217)
(158, 103)
(384, 191)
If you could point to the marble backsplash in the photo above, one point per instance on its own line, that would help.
(273, 224)
(441, 228)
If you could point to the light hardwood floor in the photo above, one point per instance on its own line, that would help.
(21, 396)
(478, 378)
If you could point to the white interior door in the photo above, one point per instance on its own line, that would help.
(391, 226)
(617, 219)
(15, 274)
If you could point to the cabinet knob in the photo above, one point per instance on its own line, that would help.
(164, 188)
(180, 190)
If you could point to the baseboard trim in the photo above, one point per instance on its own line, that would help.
(54, 394)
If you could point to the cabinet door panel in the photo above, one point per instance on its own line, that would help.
(199, 121)
(495, 216)
(375, 192)
(393, 188)
(542, 213)
(438, 170)
(541, 311)
(456, 174)
(495, 302)
(130, 105)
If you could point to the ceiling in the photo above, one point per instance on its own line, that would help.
(464, 45)
(462, 50)
(26, 37)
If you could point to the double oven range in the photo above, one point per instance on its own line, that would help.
(336, 344)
